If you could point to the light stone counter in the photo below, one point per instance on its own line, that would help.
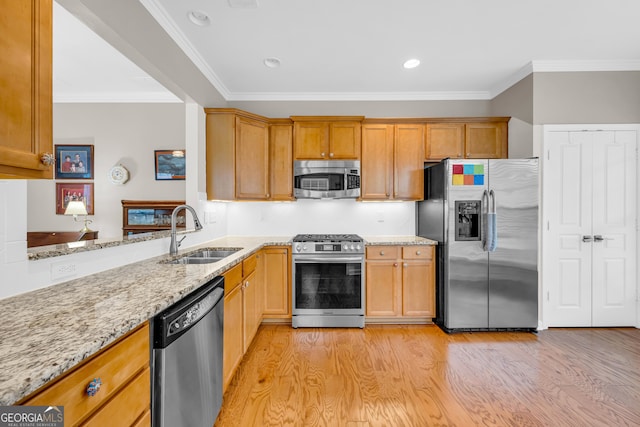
(48, 331)
(398, 240)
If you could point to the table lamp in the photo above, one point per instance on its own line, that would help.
(76, 208)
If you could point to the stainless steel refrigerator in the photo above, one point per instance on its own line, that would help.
(484, 215)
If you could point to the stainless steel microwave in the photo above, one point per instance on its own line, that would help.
(326, 179)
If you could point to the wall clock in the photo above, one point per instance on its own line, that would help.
(118, 175)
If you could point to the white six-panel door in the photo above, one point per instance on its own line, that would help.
(589, 240)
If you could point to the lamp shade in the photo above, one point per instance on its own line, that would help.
(76, 208)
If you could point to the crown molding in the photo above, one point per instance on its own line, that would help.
(359, 96)
(555, 66)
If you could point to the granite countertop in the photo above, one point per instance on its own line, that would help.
(46, 332)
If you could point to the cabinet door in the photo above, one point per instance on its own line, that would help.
(444, 140)
(377, 162)
(408, 180)
(418, 290)
(250, 292)
(382, 288)
(277, 283)
(486, 140)
(25, 88)
(344, 140)
(233, 348)
(310, 140)
(281, 161)
(252, 159)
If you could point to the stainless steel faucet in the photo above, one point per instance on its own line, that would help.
(175, 244)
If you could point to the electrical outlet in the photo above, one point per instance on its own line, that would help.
(61, 270)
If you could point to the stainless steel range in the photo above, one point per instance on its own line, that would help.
(328, 280)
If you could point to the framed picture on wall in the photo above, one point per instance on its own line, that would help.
(74, 161)
(77, 191)
(170, 164)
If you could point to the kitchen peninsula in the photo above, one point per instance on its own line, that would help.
(48, 331)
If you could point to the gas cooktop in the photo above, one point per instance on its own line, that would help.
(328, 238)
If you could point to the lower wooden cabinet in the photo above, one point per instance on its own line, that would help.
(400, 284)
(125, 394)
(277, 282)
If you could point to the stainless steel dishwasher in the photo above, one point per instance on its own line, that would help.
(187, 359)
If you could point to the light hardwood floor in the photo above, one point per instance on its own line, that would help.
(419, 376)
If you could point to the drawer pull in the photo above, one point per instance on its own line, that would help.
(381, 252)
(94, 387)
(417, 252)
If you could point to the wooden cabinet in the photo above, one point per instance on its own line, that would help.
(444, 140)
(25, 88)
(233, 334)
(326, 138)
(479, 138)
(276, 269)
(125, 394)
(400, 284)
(242, 313)
(281, 159)
(392, 161)
(249, 157)
(44, 238)
(144, 216)
(486, 140)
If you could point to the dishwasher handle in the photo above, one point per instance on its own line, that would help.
(176, 320)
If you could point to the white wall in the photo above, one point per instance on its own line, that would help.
(124, 134)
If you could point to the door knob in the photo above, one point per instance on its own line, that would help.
(598, 238)
(587, 238)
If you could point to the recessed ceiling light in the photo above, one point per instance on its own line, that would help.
(411, 63)
(201, 19)
(272, 62)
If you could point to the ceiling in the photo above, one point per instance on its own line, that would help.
(354, 49)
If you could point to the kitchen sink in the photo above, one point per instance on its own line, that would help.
(204, 256)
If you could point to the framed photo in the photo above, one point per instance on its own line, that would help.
(170, 164)
(77, 191)
(74, 161)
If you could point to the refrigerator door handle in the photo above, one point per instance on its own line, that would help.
(492, 197)
(485, 212)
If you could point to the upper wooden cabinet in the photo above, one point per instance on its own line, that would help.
(248, 156)
(281, 159)
(25, 88)
(392, 161)
(326, 138)
(477, 138)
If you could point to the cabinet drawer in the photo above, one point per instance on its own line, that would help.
(232, 278)
(249, 265)
(115, 366)
(383, 252)
(417, 252)
(127, 406)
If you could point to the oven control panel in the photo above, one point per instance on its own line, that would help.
(321, 247)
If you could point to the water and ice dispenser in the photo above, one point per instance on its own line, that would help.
(468, 217)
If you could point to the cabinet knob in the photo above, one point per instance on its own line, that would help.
(405, 265)
(459, 154)
(321, 154)
(93, 387)
(268, 196)
(418, 252)
(330, 154)
(381, 252)
(395, 264)
(47, 159)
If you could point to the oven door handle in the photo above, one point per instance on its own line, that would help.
(331, 260)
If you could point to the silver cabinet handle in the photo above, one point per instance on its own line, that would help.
(587, 239)
(598, 238)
